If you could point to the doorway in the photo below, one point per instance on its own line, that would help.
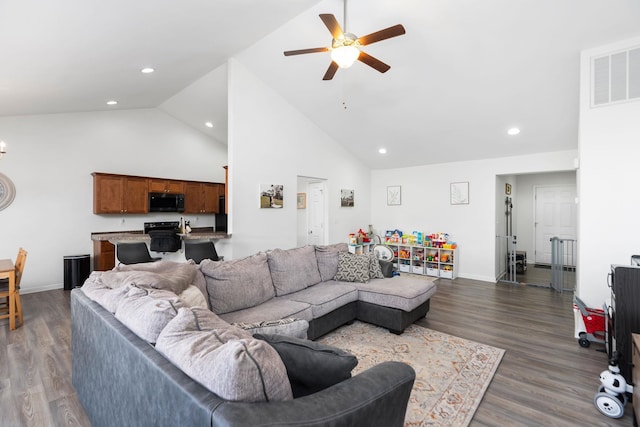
(542, 206)
(313, 213)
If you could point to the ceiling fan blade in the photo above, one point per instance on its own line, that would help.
(387, 33)
(331, 71)
(373, 62)
(332, 24)
(303, 51)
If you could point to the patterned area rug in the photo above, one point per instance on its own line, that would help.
(452, 373)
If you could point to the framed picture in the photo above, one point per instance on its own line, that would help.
(507, 189)
(271, 196)
(346, 198)
(301, 200)
(394, 195)
(459, 193)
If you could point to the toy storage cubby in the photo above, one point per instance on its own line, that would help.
(425, 260)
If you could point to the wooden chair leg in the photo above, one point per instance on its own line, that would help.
(19, 308)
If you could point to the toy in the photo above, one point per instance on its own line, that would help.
(403, 254)
(612, 394)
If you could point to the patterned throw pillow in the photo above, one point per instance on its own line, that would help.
(375, 271)
(353, 268)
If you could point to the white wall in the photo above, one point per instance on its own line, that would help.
(608, 185)
(270, 142)
(426, 207)
(50, 160)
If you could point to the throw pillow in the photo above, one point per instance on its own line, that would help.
(225, 359)
(352, 268)
(237, 284)
(176, 276)
(293, 269)
(375, 271)
(146, 311)
(387, 268)
(327, 257)
(311, 366)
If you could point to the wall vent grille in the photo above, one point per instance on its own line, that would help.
(615, 78)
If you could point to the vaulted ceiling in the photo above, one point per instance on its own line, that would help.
(464, 72)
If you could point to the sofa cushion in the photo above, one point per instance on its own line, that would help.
(237, 284)
(352, 268)
(146, 311)
(192, 297)
(293, 269)
(375, 271)
(163, 274)
(291, 327)
(326, 297)
(404, 292)
(224, 359)
(274, 309)
(327, 257)
(311, 366)
(107, 297)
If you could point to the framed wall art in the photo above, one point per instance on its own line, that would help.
(459, 193)
(301, 200)
(346, 198)
(394, 195)
(271, 196)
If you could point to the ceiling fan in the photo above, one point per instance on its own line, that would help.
(345, 47)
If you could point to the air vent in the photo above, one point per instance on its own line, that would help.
(615, 78)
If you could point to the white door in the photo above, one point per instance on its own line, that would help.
(317, 220)
(555, 216)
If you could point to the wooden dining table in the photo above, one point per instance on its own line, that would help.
(8, 270)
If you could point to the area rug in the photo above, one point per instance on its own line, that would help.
(452, 373)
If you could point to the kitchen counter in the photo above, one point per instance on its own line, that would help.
(115, 237)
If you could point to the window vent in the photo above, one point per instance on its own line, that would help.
(615, 78)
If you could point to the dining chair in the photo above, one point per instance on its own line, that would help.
(197, 251)
(134, 253)
(5, 292)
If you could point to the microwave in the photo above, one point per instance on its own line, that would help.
(166, 202)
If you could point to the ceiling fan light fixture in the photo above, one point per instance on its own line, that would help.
(345, 56)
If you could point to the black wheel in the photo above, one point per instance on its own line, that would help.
(584, 342)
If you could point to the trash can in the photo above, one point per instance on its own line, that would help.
(76, 270)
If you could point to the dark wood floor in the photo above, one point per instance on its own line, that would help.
(545, 378)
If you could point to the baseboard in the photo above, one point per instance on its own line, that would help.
(473, 277)
(32, 290)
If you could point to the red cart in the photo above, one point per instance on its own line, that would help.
(594, 320)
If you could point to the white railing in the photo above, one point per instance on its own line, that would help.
(506, 261)
(563, 264)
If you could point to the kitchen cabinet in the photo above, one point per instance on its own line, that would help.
(202, 197)
(119, 194)
(104, 255)
(166, 186)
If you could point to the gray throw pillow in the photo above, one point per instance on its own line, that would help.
(293, 269)
(375, 271)
(226, 360)
(353, 268)
(311, 366)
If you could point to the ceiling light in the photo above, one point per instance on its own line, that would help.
(209, 124)
(513, 131)
(112, 102)
(147, 70)
(382, 151)
(345, 50)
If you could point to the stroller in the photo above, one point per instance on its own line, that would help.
(594, 320)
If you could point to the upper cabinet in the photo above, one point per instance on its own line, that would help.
(166, 186)
(202, 197)
(119, 194)
(130, 194)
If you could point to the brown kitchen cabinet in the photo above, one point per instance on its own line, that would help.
(201, 197)
(119, 194)
(166, 186)
(104, 255)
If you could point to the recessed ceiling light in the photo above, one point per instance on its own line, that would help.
(513, 131)
(209, 124)
(382, 151)
(112, 102)
(147, 70)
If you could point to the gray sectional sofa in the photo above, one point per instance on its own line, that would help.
(126, 374)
